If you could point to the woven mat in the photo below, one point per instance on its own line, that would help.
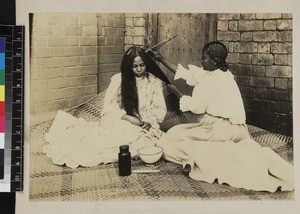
(49, 182)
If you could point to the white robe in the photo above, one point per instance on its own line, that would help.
(76, 142)
(219, 145)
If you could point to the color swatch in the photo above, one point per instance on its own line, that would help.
(12, 117)
(2, 105)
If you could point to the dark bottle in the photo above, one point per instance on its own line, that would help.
(124, 161)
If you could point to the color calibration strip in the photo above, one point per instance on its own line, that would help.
(14, 105)
(2, 105)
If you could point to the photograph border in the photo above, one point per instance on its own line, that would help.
(23, 8)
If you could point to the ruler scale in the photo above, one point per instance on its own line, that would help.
(14, 105)
(2, 105)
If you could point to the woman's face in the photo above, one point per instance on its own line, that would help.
(208, 63)
(138, 67)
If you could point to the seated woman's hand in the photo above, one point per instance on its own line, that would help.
(145, 125)
(137, 121)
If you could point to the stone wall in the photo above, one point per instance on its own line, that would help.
(260, 56)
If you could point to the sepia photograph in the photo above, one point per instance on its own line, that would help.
(161, 107)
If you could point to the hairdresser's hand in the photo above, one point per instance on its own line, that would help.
(156, 55)
(168, 64)
(145, 125)
(172, 89)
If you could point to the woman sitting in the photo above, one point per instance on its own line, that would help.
(219, 146)
(133, 108)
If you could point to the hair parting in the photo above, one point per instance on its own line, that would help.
(217, 51)
(129, 94)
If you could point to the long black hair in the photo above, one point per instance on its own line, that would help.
(217, 51)
(129, 96)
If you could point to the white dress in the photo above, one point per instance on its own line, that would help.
(219, 145)
(76, 142)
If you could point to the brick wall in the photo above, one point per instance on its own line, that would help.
(260, 56)
(74, 55)
(63, 61)
(111, 34)
(116, 33)
(136, 29)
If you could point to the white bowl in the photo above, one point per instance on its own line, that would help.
(150, 154)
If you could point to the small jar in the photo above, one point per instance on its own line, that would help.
(124, 161)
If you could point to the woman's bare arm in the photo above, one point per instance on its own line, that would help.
(132, 119)
(136, 121)
(168, 64)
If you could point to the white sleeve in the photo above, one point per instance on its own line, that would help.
(186, 103)
(112, 100)
(193, 75)
(200, 100)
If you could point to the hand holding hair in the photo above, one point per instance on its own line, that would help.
(145, 125)
(158, 57)
(172, 89)
(155, 55)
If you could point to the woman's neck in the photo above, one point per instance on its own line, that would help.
(141, 77)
